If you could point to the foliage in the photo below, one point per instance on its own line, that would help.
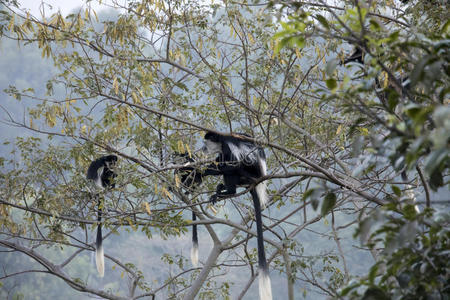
(400, 100)
(146, 79)
(402, 91)
(414, 260)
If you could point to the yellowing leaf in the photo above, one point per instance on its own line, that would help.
(95, 14)
(147, 208)
(166, 193)
(364, 131)
(213, 209)
(250, 38)
(116, 86)
(177, 181)
(188, 150)
(200, 44)
(80, 20)
(180, 147)
(11, 22)
(339, 129)
(136, 99)
(132, 225)
(385, 80)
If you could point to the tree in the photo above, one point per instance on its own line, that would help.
(396, 102)
(150, 78)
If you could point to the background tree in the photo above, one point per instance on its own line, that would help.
(396, 100)
(147, 78)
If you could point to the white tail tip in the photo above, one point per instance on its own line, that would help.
(265, 287)
(261, 190)
(194, 255)
(100, 261)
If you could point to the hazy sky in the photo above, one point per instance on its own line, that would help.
(65, 6)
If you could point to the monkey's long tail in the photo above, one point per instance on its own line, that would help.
(99, 255)
(265, 289)
(194, 249)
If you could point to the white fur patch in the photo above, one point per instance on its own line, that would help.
(242, 152)
(212, 147)
(261, 190)
(100, 261)
(411, 197)
(265, 288)
(263, 165)
(98, 180)
(194, 255)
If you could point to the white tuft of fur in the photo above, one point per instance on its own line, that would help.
(262, 163)
(239, 153)
(194, 255)
(261, 190)
(411, 197)
(265, 288)
(98, 179)
(100, 261)
(212, 147)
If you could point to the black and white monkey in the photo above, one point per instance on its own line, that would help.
(356, 56)
(191, 178)
(101, 172)
(241, 163)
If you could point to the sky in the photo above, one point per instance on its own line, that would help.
(65, 6)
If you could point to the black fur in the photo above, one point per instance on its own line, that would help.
(101, 172)
(241, 163)
(191, 178)
(357, 56)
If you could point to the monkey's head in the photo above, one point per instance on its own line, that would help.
(110, 160)
(213, 143)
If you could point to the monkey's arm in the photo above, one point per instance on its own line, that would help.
(222, 169)
(220, 192)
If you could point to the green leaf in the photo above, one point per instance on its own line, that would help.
(349, 288)
(435, 159)
(280, 45)
(394, 36)
(375, 25)
(308, 194)
(392, 99)
(445, 28)
(328, 204)
(373, 273)
(315, 204)
(323, 21)
(331, 83)
(417, 72)
(397, 191)
(418, 113)
(375, 293)
(436, 180)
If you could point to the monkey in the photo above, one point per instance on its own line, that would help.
(191, 178)
(382, 93)
(101, 173)
(356, 56)
(241, 163)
